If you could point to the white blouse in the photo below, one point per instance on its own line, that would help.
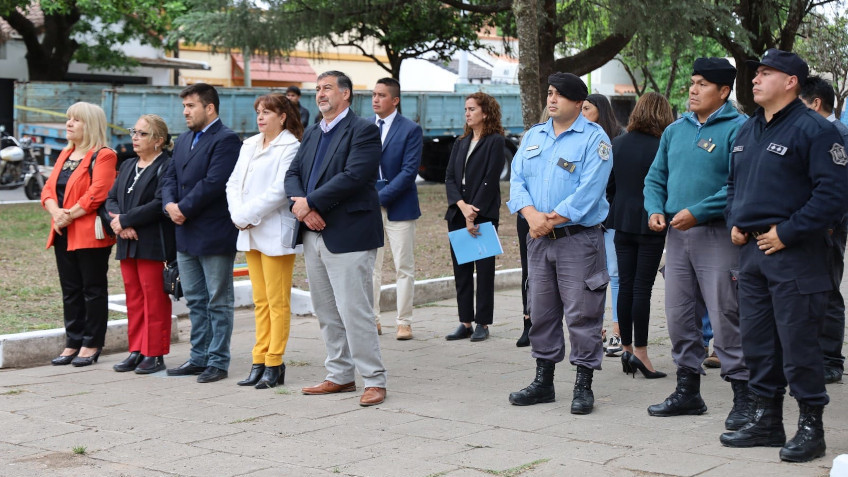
(256, 195)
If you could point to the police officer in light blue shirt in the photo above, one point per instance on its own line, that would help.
(559, 180)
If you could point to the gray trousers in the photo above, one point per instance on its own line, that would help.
(698, 275)
(568, 278)
(341, 289)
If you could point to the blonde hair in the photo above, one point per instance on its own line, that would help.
(158, 129)
(94, 125)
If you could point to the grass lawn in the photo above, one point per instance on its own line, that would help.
(29, 284)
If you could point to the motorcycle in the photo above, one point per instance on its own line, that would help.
(18, 166)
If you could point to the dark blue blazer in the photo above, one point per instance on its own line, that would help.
(196, 181)
(399, 162)
(344, 194)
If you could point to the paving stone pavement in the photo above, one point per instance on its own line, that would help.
(446, 414)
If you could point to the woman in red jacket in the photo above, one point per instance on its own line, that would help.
(77, 186)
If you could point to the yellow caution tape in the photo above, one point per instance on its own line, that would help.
(61, 115)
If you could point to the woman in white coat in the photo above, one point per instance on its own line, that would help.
(259, 209)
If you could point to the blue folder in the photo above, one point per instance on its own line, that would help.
(468, 248)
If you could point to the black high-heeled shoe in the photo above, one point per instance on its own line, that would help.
(625, 363)
(79, 361)
(255, 375)
(64, 360)
(273, 376)
(636, 363)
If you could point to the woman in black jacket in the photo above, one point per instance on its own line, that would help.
(145, 242)
(638, 248)
(472, 180)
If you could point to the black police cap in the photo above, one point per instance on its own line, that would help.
(715, 70)
(569, 85)
(784, 61)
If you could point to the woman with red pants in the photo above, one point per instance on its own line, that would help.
(145, 242)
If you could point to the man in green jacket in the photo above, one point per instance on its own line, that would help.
(686, 188)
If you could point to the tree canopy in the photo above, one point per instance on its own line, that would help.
(825, 46)
(87, 31)
(403, 28)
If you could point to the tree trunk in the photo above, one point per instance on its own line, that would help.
(547, 45)
(245, 56)
(527, 27)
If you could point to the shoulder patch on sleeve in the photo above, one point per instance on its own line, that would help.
(604, 150)
(837, 153)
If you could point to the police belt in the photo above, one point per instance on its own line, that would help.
(568, 231)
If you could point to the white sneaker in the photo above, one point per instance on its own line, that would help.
(613, 347)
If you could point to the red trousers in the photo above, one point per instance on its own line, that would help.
(148, 307)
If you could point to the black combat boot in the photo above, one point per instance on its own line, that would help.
(765, 429)
(524, 340)
(584, 398)
(808, 443)
(541, 389)
(743, 404)
(685, 400)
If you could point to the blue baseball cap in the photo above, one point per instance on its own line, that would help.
(784, 61)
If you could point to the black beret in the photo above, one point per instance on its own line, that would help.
(784, 61)
(715, 70)
(569, 85)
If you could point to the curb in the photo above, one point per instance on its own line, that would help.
(37, 348)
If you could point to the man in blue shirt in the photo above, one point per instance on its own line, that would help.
(687, 186)
(785, 190)
(818, 95)
(559, 180)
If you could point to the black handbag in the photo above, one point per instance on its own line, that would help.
(171, 280)
(171, 273)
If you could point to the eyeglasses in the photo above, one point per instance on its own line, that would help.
(135, 132)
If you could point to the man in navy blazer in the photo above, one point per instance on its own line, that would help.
(331, 186)
(193, 194)
(402, 143)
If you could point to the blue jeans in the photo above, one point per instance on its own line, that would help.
(706, 329)
(207, 283)
(612, 269)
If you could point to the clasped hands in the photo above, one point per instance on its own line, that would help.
(61, 219)
(309, 216)
(682, 221)
(769, 242)
(126, 233)
(541, 223)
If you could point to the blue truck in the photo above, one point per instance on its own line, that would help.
(40, 108)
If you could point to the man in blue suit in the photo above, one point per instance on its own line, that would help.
(193, 194)
(402, 143)
(331, 186)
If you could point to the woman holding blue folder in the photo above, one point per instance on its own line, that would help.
(472, 180)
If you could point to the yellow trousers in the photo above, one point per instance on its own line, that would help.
(271, 278)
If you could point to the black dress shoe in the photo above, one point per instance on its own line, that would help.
(186, 369)
(460, 334)
(212, 374)
(255, 375)
(79, 361)
(129, 363)
(273, 376)
(480, 333)
(64, 360)
(150, 365)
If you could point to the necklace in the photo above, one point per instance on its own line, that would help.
(138, 171)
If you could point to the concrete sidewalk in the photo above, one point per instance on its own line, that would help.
(446, 414)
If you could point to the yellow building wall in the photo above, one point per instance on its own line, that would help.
(363, 72)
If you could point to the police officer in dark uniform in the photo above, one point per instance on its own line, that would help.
(818, 95)
(559, 180)
(786, 187)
